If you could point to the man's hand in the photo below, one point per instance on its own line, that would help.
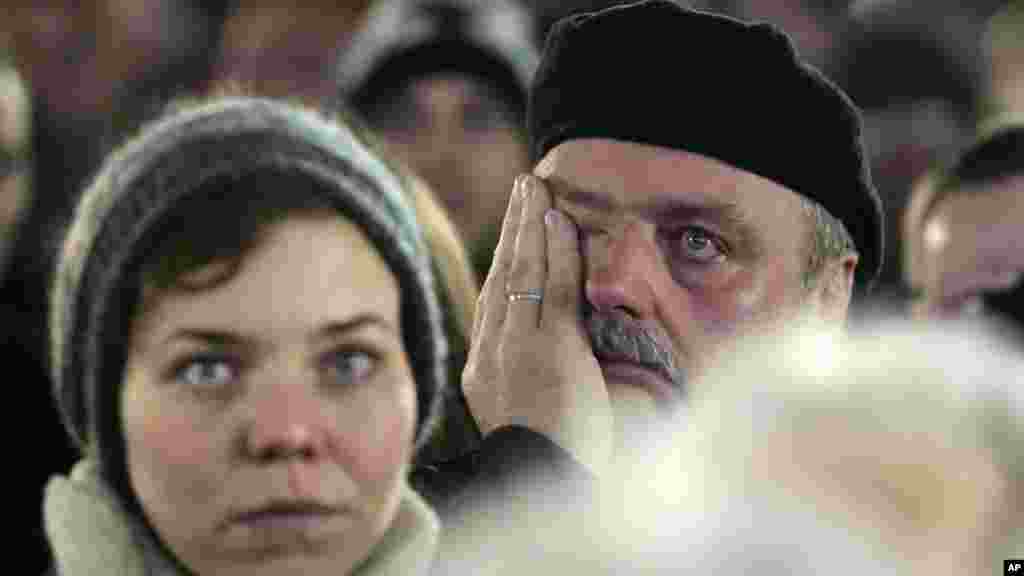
(530, 363)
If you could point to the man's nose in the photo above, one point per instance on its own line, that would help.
(286, 420)
(618, 269)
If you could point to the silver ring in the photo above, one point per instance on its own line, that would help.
(533, 295)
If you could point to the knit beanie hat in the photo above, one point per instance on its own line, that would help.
(657, 73)
(402, 40)
(139, 185)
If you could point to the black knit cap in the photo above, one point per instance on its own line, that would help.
(657, 73)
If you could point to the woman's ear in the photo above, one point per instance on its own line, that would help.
(831, 295)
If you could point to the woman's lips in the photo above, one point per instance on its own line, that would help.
(289, 522)
(641, 376)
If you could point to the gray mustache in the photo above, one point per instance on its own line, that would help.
(616, 335)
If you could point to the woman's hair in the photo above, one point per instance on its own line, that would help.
(457, 292)
(218, 226)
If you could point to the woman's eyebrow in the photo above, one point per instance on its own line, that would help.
(212, 337)
(330, 329)
(356, 323)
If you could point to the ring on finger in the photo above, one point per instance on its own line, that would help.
(532, 295)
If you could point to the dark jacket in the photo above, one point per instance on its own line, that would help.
(42, 447)
(503, 459)
(516, 501)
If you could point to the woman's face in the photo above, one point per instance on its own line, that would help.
(269, 420)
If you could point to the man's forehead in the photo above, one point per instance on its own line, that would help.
(611, 175)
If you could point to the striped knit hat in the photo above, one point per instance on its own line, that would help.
(171, 159)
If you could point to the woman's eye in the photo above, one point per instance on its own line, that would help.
(203, 372)
(700, 246)
(351, 366)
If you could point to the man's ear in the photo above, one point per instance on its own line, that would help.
(832, 293)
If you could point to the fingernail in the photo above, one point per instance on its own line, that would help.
(520, 186)
(528, 186)
(554, 219)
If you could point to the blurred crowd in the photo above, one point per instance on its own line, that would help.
(905, 461)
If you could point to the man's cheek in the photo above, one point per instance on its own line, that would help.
(724, 310)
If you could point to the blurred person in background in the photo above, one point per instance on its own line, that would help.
(972, 232)
(15, 148)
(816, 27)
(92, 70)
(918, 90)
(49, 451)
(286, 50)
(95, 70)
(1003, 49)
(234, 415)
(445, 83)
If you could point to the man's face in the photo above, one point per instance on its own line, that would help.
(680, 251)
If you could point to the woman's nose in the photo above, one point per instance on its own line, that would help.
(287, 421)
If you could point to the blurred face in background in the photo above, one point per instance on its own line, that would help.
(14, 143)
(465, 141)
(285, 49)
(970, 261)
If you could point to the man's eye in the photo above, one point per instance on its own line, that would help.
(699, 245)
(205, 372)
(348, 367)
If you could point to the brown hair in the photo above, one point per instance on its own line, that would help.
(458, 289)
(217, 226)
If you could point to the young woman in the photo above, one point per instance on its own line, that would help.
(248, 349)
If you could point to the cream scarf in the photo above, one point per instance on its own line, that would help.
(91, 535)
